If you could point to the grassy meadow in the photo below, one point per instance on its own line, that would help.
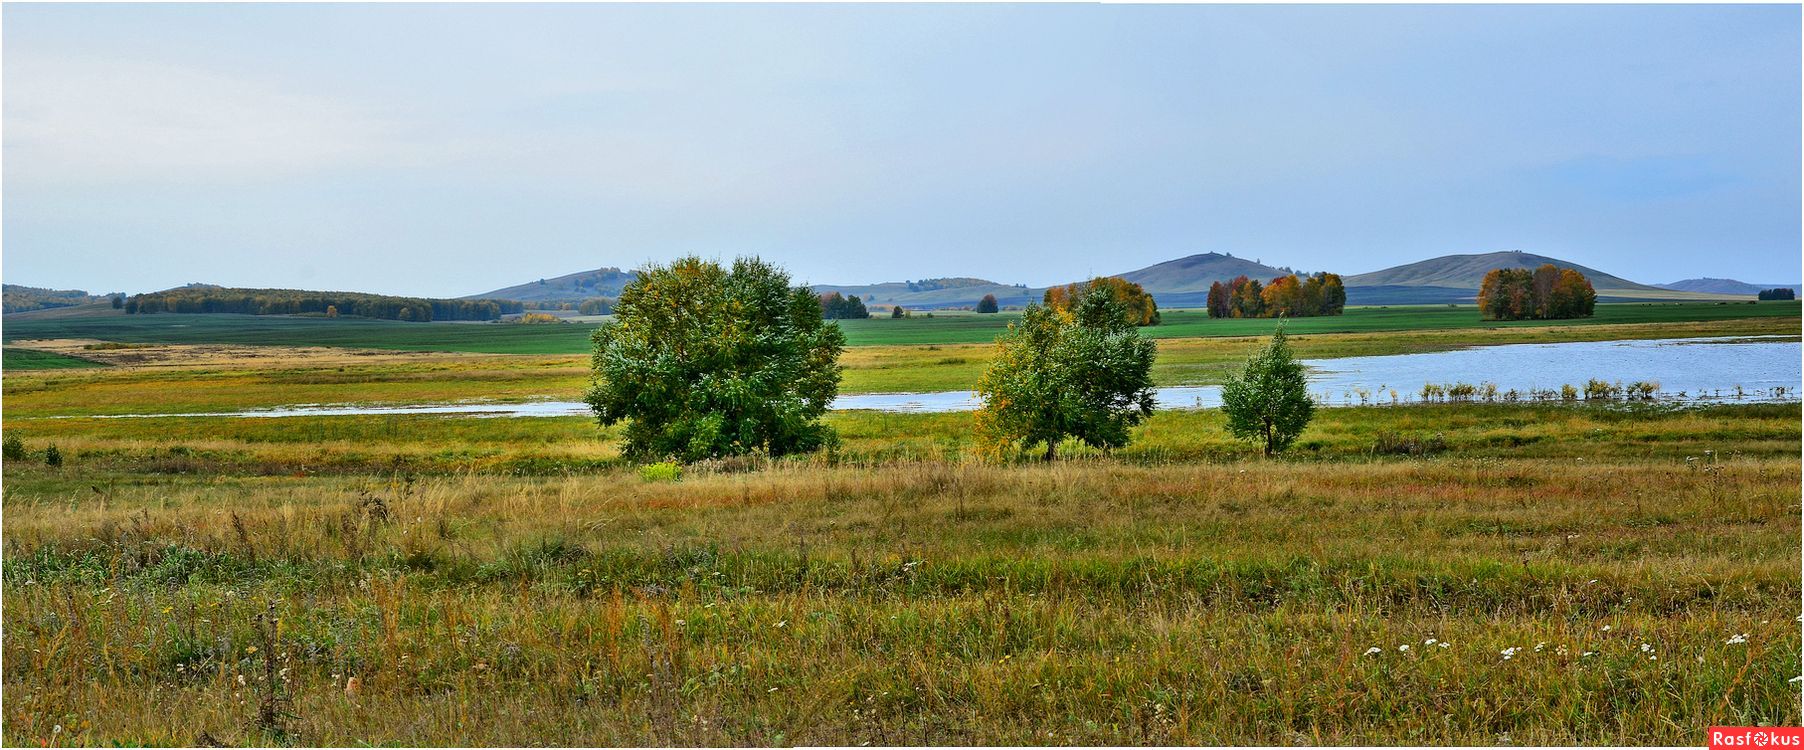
(470, 581)
(1421, 574)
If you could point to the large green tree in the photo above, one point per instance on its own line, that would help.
(1269, 400)
(1084, 373)
(701, 361)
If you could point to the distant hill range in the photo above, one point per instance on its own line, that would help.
(935, 294)
(1184, 282)
(572, 288)
(1456, 278)
(1725, 286)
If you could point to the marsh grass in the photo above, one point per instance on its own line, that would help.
(1182, 594)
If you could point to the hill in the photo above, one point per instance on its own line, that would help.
(18, 298)
(573, 288)
(935, 294)
(1194, 274)
(1708, 285)
(1456, 278)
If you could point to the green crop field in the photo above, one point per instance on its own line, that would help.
(26, 359)
(573, 338)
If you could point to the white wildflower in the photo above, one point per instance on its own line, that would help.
(1737, 638)
(1374, 650)
(1510, 653)
(1404, 647)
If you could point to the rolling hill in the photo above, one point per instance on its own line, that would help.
(1184, 282)
(1724, 286)
(935, 294)
(1456, 278)
(574, 287)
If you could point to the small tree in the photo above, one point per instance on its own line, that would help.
(1084, 373)
(702, 362)
(1139, 306)
(898, 312)
(987, 304)
(1269, 400)
(53, 456)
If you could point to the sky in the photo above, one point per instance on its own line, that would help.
(445, 150)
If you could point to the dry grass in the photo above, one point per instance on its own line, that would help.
(896, 599)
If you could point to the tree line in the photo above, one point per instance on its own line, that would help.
(1285, 297)
(210, 299)
(1778, 293)
(1546, 293)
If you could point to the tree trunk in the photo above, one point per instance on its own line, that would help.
(1052, 447)
(1268, 436)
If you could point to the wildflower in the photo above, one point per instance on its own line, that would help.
(1445, 644)
(1561, 650)
(679, 623)
(1737, 638)
(772, 690)
(1510, 653)
(782, 623)
(1587, 654)
(1404, 647)
(353, 685)
(250, 649)
(1606, 628)
(1374, 650)
(1799, 678)
(1430, 642)
(1539, 646)
(1647, 648)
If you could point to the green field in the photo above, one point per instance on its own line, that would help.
(573, 338)
(26, 359)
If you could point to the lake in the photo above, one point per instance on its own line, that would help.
(1762, 368)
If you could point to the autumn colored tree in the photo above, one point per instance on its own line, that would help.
(1284, 298)
(1546, 292)
(1084, 373)
(1248, 299)
(701, 361)
(987, 304)
(1135, 302)
(1220, 300)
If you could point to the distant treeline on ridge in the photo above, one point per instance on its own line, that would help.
(212, 299)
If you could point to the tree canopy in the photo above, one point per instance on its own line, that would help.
(987, 304)
(1547, 292)
(701, 361)
(1268, 401)
(835, 306)
(1083, 373)
(1285, 297)
(1138, 306)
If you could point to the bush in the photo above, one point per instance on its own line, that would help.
(12, 449)
(52, 456)
(662, 471)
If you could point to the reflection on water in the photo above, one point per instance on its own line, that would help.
(1736, 368)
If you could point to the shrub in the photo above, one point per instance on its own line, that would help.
(53, 456)
(12, 449)
(662, 471)
(1393, 444)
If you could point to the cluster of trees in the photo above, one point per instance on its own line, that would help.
(596, 306)
(1778, 293)
(704, 362)
(1546, 293)
(1286, 296)
(988, 304)
(1141, 309)
(835, 306)
(213, 299)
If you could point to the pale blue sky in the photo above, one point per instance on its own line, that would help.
(450, 149)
